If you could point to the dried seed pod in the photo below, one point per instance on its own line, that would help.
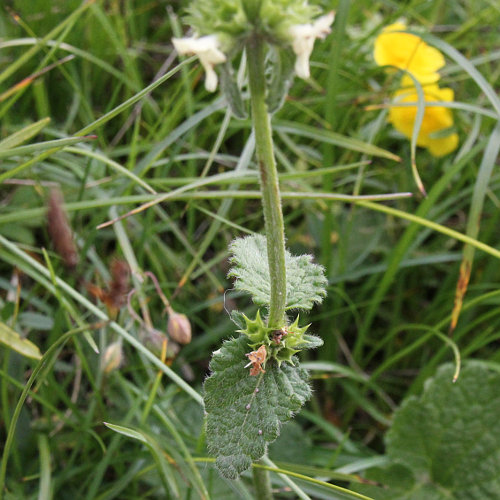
(119, 285)
(257, 358)
(179, 328)
(60, 230)
(115, 296)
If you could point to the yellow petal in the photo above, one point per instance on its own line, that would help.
(443, 145)
(436, 118)
(409, 52)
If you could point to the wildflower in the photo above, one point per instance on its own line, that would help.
(207, 48)
(436, 122)
(303, 38)
(223, 27)
(408, 52)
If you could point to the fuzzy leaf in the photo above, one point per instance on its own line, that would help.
(305, 280)
(310, 342)
(244, 413)
(446, 443)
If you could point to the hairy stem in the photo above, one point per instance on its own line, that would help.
(262, 483)
(271, 200)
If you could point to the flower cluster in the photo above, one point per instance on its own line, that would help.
(410, 53)
(222, 27)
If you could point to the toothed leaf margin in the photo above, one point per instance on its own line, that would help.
(244, 413)
(306, 281)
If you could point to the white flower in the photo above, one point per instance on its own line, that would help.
(303, 37)
(207, 50)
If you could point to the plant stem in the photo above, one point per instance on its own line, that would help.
(271, 200)
(262, 483)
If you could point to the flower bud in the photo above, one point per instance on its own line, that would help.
(179, 328)
(155, 340)
(113, 357)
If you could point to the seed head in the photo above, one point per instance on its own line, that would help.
(60, 230)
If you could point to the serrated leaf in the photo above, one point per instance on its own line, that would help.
(12, 339)
(305, 280)
(244, 413)
(448, 440)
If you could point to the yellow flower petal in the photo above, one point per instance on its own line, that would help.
(436, 118)
(408, 52)
(443, 145)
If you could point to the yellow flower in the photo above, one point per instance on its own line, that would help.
(436, 121)
(408, 52)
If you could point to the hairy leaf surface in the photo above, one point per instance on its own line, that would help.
(305, 280)
(244, 413)
(446, 443)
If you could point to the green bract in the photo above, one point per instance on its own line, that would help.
(233, 21)
(281, 344)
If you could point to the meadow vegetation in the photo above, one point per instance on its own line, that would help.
(109, 318)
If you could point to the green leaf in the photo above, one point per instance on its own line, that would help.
(310, 342)
(446, 443)
(244, 413)
(12, 339)
(230, 89)
(305, 281)
(282, 63)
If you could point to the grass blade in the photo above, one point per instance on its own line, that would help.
(480, 188)
(13, 340)
(333, 138)
(23, 135)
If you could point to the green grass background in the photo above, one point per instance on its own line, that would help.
(392, 280)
